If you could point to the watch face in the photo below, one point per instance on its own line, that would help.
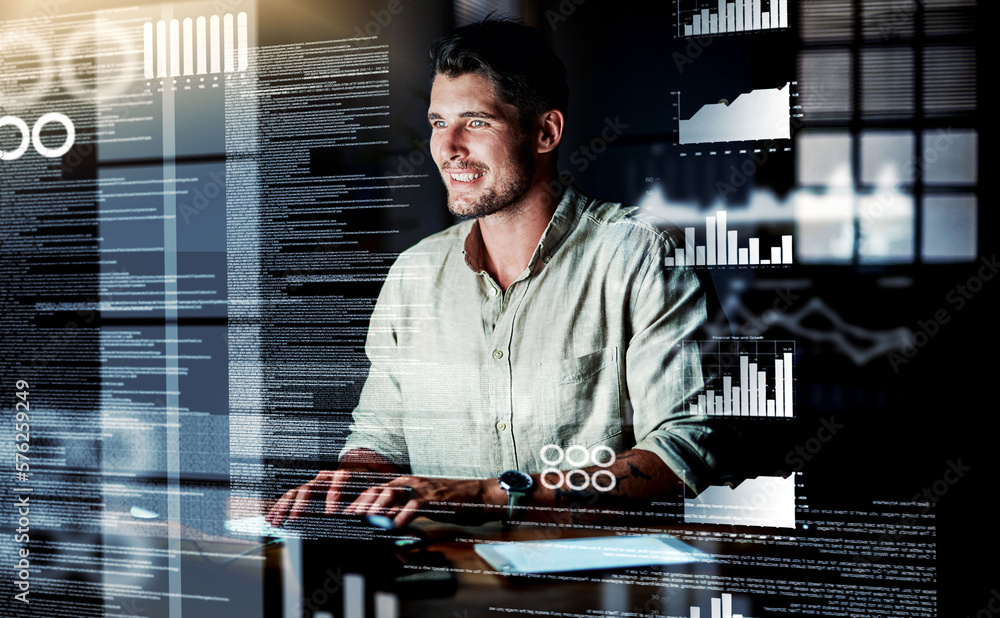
(515, 480)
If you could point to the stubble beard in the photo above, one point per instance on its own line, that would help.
(503, 199)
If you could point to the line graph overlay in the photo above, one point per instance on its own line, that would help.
(761, 501)
(861, 345)
(756, 115)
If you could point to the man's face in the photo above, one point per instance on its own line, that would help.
(478, 144)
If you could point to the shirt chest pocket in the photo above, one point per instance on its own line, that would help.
(576, 401)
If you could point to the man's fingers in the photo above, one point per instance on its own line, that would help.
(397, 499)
(404, 497)
(385, 500)
(403, 515)
(294, 501)
(408, 513)
(301, 499)
(334, 493)
(360, 504)
(277, 513)
(377, 500)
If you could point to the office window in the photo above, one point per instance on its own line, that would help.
(888, 91)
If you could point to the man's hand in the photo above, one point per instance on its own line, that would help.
(331, 489)
(401, 499)
(454, 500)
(328, 487)
(639, 475)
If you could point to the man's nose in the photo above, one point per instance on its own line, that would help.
(452, 145)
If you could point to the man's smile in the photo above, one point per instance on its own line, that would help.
(464, 172)
(466, 177)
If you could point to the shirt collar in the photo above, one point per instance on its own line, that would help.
(474, 248)
(559, 225)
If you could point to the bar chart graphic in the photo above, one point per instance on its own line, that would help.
(722, 248)
(749, 378)
(702, 17)
(722, 607)
(195, 47)
(761, 114)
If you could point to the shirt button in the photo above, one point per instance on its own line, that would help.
(547, 258)
(501, 425)
(493, 291)
(497, 354)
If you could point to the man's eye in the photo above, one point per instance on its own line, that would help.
(477, 123)
(438, 124)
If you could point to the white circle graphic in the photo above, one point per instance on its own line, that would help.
(36, 135)
(22, 126)
(569, 480)
(579, 460)
(547, 472)
(611, 484)
(594, 455)
(551, 461)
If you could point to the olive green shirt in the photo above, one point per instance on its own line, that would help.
(583, 349)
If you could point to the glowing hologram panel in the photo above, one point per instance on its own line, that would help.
(709, 17)
(755, 115)
(763, 501)
(752, 378)
(195, 53)
(721, 607)
(722, 248)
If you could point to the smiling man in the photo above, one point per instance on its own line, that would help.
(527, 358)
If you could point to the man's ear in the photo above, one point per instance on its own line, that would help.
(549, 131)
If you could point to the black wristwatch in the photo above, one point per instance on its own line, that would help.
(518, 486)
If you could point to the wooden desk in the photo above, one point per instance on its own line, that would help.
(484, 592)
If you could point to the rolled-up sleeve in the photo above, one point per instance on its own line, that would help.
(663, 374)
(378, 418)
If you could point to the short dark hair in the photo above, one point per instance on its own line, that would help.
(516, 59)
